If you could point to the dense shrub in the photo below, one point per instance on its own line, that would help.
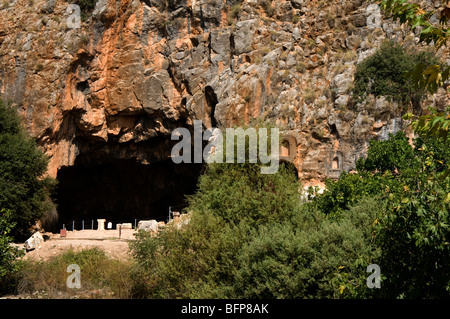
(325, 258)
(384, 74)
(250, 236)
(8, 254)
(413, 222)
(23, 189)
(414, 229)
(199, 259)
(394, 154)
(374, 174)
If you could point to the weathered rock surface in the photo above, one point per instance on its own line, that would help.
(34, 241)
(136, 70)
(148, 225)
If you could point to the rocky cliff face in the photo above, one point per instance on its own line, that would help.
(114, 89)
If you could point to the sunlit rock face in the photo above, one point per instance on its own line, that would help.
(102, 100)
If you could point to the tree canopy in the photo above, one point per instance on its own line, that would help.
(24, 189)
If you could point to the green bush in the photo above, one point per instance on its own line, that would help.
(413, 222)
(23, 189)
(309, 256)
(393, 154)
(414, 228)
(198, 260)
(384, 74)
(323, 259)
(8, 254)
(375, 173)
(250, 236)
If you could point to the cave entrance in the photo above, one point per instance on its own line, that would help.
(122, 190)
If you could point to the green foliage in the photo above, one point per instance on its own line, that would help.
(250, 236)
(375, 173)
(246, 195)
(425, 75)
(414, 227)
(8, 253)
(434, 154)
(437, 124)
(383, 74)
(419, 19)
(325, 258)
(23, 191)
(307, 256)
(348, 190)
(393, 155)
(412, 224)
(363, 218)
(198, 260)
(413, 235)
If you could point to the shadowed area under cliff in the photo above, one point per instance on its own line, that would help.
(123, 190)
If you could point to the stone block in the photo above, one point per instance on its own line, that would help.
(124, 226)
(148, 225)
(34, 241)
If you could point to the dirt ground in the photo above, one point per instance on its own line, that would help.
(107, 240)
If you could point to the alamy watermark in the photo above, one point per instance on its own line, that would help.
(74, 279)
(374, 280)
(74, 19)
(232, 149)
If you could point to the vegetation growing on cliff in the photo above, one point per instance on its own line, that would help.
(385, 74)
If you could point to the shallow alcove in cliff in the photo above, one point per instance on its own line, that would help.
(211, 101)
(122, 190)
(290, 168)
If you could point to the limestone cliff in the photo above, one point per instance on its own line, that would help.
(117, 86)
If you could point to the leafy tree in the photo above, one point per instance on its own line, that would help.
(8, 253)
(415, 227)
(394, 154)
(425, 75)
(23, 189)
(198, 260)
(380, 169)
(383, 74)
(413, 232)
(412, 224)
(340, 195)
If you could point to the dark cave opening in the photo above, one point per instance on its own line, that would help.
(211, 101)
(122, 190)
